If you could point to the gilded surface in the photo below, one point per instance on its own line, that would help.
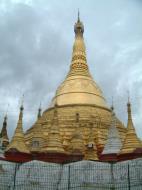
(79, 86)
(54, 142)
(18, 140)
(131, 141)
(98, 117)
(78, 95)
(91, 152)
(3, 134)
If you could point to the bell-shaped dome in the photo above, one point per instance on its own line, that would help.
(79, 86)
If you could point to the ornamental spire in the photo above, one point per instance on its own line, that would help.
(1, 147)
(5, 140)
(131, 141)
(18, 140)
(79, 27)
(130, 124)
(79, 86)
(39, 112)
(112, 106)
(79, 61)
(78, 16)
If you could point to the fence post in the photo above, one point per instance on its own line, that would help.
(129, 182)
(14, 177)
(69, 178)
(112, 177)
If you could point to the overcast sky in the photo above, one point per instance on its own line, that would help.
(36, 39)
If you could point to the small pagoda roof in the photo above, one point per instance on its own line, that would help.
(113, 144)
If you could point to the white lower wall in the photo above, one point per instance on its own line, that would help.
(81, 175)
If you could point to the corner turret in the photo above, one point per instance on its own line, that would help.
(131, 141)
(18, 141)
(4, 136)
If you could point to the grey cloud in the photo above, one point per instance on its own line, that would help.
(36, 40)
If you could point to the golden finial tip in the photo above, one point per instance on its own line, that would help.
(40, 106)
(78, 27)
(7, 110)
(112, 104)
(5, 118)
(39, 111)
(128, 103)
(128, 94)
(21, 107)
(78, 15)
(22, 103)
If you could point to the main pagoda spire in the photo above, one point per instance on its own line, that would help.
(79, 60)
(79, 86)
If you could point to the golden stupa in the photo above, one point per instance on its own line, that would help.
(3, 133)
(17, 143)
(131, 141)
(78, 95)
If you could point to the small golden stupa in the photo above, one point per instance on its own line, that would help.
(131, 141)
(18, 141)
(3, 134)
(38, 139)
